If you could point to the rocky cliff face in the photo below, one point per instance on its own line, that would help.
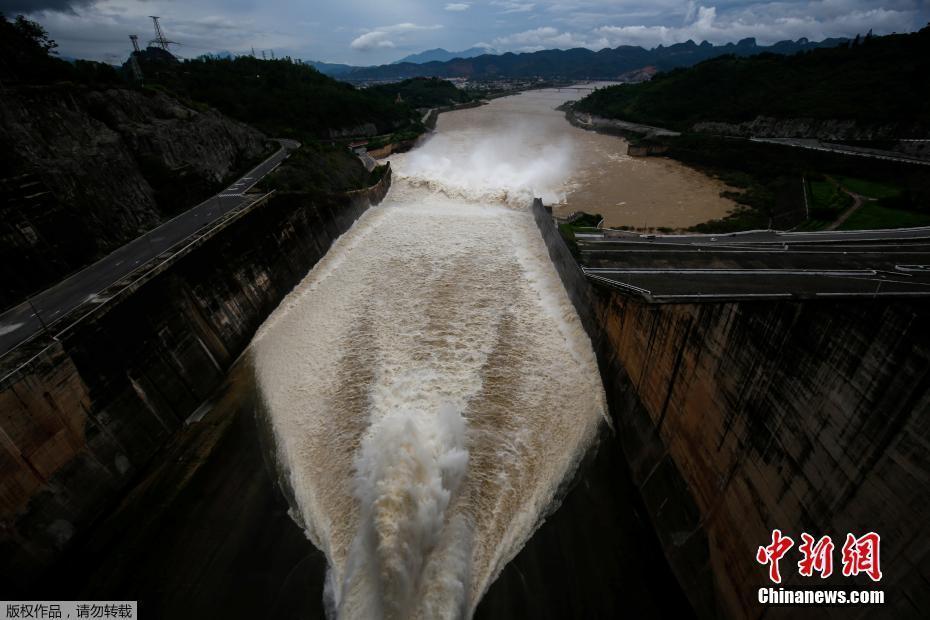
(101, 167)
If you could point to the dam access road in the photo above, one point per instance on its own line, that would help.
(23, 321)
(760, 264)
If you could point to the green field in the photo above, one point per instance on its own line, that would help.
(827, 200)
(872, 216)
(869, 189)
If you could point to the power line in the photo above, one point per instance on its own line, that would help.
(160, 39)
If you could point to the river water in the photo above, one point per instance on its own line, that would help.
(425, 396)
(428, 385)
(594, 173)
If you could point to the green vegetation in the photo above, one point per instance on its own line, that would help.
(880, 80)
(280, 97)
(742, 218)
(291, 99)
(320, 167)
(870, 189)
(585, 223)
(827, 200)
(424, 92)
(394, 138)
(766, 182)
(873, 216)
(27, 56)
(766, 187)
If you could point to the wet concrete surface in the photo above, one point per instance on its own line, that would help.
(206, 534)
(594, 557)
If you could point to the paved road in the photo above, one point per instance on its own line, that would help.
(20, 323)
(845, 149)
(761, 264)
(764, 238)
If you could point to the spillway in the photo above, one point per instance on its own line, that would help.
(428, 385)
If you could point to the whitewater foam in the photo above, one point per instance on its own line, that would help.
(428, 384)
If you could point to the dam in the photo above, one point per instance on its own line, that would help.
(437, 413)
(429, 388)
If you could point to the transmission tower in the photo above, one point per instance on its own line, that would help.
(160, 39)
(135, 42)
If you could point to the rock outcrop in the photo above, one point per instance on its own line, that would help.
(87, 170)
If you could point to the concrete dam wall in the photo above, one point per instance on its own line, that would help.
(85, 414)
(739, 418)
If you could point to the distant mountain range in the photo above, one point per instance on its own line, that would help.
(578, 63)
(335, 70)
(441, 55)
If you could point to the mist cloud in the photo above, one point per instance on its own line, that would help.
(383, 38)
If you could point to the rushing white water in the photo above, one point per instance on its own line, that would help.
(428, 384)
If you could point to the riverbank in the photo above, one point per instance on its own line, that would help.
(380, 149)
(768, 181)
(628, 189)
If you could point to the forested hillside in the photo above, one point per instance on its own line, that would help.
(281, 97)
(872, 80)
(423, 92)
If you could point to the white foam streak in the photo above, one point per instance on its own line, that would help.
(408, 471)
(428, 384)
(510, 165)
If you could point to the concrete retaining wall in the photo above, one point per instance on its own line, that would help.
(80, 419)
(739, 418)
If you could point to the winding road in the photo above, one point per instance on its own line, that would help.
(21, 322)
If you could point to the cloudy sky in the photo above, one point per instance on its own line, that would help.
(365, 32)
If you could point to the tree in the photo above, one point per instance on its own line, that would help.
(36, 34)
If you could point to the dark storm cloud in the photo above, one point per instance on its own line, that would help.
(15, 7)
(366, 32)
